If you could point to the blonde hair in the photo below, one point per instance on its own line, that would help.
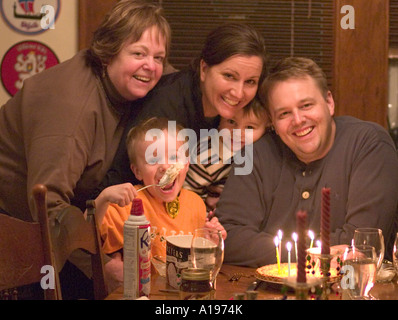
(137, 134)
(292, 68)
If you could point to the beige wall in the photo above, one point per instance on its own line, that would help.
(393, 94)
(63, 40)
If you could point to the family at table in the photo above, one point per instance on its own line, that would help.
(84, 128)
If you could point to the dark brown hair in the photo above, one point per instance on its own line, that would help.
(127, 21)
(232, 39)
(255, 106)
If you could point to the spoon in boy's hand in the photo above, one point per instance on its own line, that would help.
(168, 177)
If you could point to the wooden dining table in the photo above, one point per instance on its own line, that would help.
(227, 289)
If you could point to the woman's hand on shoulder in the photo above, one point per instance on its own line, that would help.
(215, 224)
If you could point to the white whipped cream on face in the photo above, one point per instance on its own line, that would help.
(170, 174)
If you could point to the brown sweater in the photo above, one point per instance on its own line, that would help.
(61, 130)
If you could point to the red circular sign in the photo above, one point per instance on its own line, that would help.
(24, 60)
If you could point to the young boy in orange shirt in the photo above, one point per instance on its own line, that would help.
(114, 203)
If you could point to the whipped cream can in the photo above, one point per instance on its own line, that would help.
(136, 254)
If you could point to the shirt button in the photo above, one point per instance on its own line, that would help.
(305, 195)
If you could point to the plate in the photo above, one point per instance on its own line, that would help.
(270, 274)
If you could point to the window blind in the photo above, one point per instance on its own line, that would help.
(290, 28)
(393, 35)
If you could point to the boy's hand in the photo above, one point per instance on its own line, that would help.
(215, 224)
(120, 194)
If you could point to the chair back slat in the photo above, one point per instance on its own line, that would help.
(20, 258)
(25, 248)
(71, 232)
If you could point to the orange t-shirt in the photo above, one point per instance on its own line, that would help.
(192, 215)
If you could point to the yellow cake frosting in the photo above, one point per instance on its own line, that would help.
(271, 272)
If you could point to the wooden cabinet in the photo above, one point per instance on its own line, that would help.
(91, 14)
(360, 62)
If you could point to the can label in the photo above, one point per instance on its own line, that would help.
(178, 250)
(144, 250)
(137, 263)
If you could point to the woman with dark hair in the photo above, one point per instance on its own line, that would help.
(63, 127)
(221, 81)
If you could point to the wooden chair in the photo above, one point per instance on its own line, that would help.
(71, 232)
(25, 247)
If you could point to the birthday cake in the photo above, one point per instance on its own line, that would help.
(271, 273)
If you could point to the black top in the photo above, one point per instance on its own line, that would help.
(177, 97)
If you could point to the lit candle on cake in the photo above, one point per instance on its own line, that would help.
(289, 248)
(276, 241)
(325, 221)
(280, 234)
(312, 236)
(301, 225)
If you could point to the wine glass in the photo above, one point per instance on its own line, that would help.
(395, 253)
(372, 237)
(359, 272)
(207, 251)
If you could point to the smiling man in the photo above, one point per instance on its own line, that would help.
(309, 149)
(302, 117)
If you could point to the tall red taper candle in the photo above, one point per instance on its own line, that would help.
(301, 225)
(325, 221)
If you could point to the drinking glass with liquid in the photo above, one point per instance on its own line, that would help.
(207, 251)
(359, 272)
(395, 253)
(371, 237)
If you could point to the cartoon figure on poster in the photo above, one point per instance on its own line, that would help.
(28, 65)
(24, 60)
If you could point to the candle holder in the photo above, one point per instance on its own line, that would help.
(326, 267)
(325, 260)
(302, 289)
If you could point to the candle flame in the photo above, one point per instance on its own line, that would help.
(280, 233)
(294, 236)
(319, 243)
(311, 234)
(288, 246)
(276, 241)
